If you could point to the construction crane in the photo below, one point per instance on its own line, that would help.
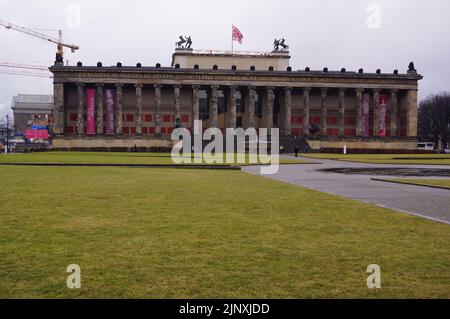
(58, 41)
(27, 69)
(25, 73)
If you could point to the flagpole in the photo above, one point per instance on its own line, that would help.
(232, 42)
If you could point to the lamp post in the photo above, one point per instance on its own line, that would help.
(7, 134)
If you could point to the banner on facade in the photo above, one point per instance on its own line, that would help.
(90, 111)
(365, 115)
(110, 111)
(382, 116)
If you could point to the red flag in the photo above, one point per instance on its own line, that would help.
(237, 35)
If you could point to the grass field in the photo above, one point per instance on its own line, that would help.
(151, 233)
(417, 159)
(104, 158)
(433, 182)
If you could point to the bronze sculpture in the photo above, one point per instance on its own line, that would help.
(184, 43)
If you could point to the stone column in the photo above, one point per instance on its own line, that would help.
(138, 109)
(376, 112)
(341, 110)
(176, 103)
(411, 115)
(393, 108)
(213, 107)
(119, 111)
(269, 108)
(359, 102)
(324, 110)
(251, 107)
(287, 110)
(80, 119)
(195, 105)
(306, 106)
(232, 107)
(58, 108)
(99, 108)
(157, 109)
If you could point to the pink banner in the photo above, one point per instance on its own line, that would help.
(110, 111)
(382, 116)
(365, 115)
(33, 134)
(90, 112)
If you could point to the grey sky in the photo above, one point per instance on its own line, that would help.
(320, 33)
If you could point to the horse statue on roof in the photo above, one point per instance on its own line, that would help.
(184, 43)
(280, 43)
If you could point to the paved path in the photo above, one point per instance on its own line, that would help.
(417, 200)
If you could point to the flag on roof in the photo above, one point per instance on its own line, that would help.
(237, 35)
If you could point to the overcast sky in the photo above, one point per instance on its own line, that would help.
(385, 34)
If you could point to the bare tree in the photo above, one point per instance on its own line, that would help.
(434, 119)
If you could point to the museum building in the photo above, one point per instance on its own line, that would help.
(115, 107)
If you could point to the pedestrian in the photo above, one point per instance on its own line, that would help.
(296, 151)
(306, 148)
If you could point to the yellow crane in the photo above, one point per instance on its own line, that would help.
(58, 41)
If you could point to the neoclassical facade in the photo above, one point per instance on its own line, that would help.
(120, 106)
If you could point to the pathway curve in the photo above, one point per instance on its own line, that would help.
(426, 202)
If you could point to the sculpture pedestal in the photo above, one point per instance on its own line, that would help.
(184, 50)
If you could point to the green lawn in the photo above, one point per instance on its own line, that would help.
(417, 159)
(104, 158)
(148, 233)
(432, 182)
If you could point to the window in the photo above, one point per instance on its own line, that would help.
(350, 120)
(69, 130)
(73, 117)
(129, 118)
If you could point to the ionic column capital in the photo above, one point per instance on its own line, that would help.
(98, 85)
(177, 86)
(196, 87)
(119, 85)
(157, 86)
(80, 84)
(138, 86)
